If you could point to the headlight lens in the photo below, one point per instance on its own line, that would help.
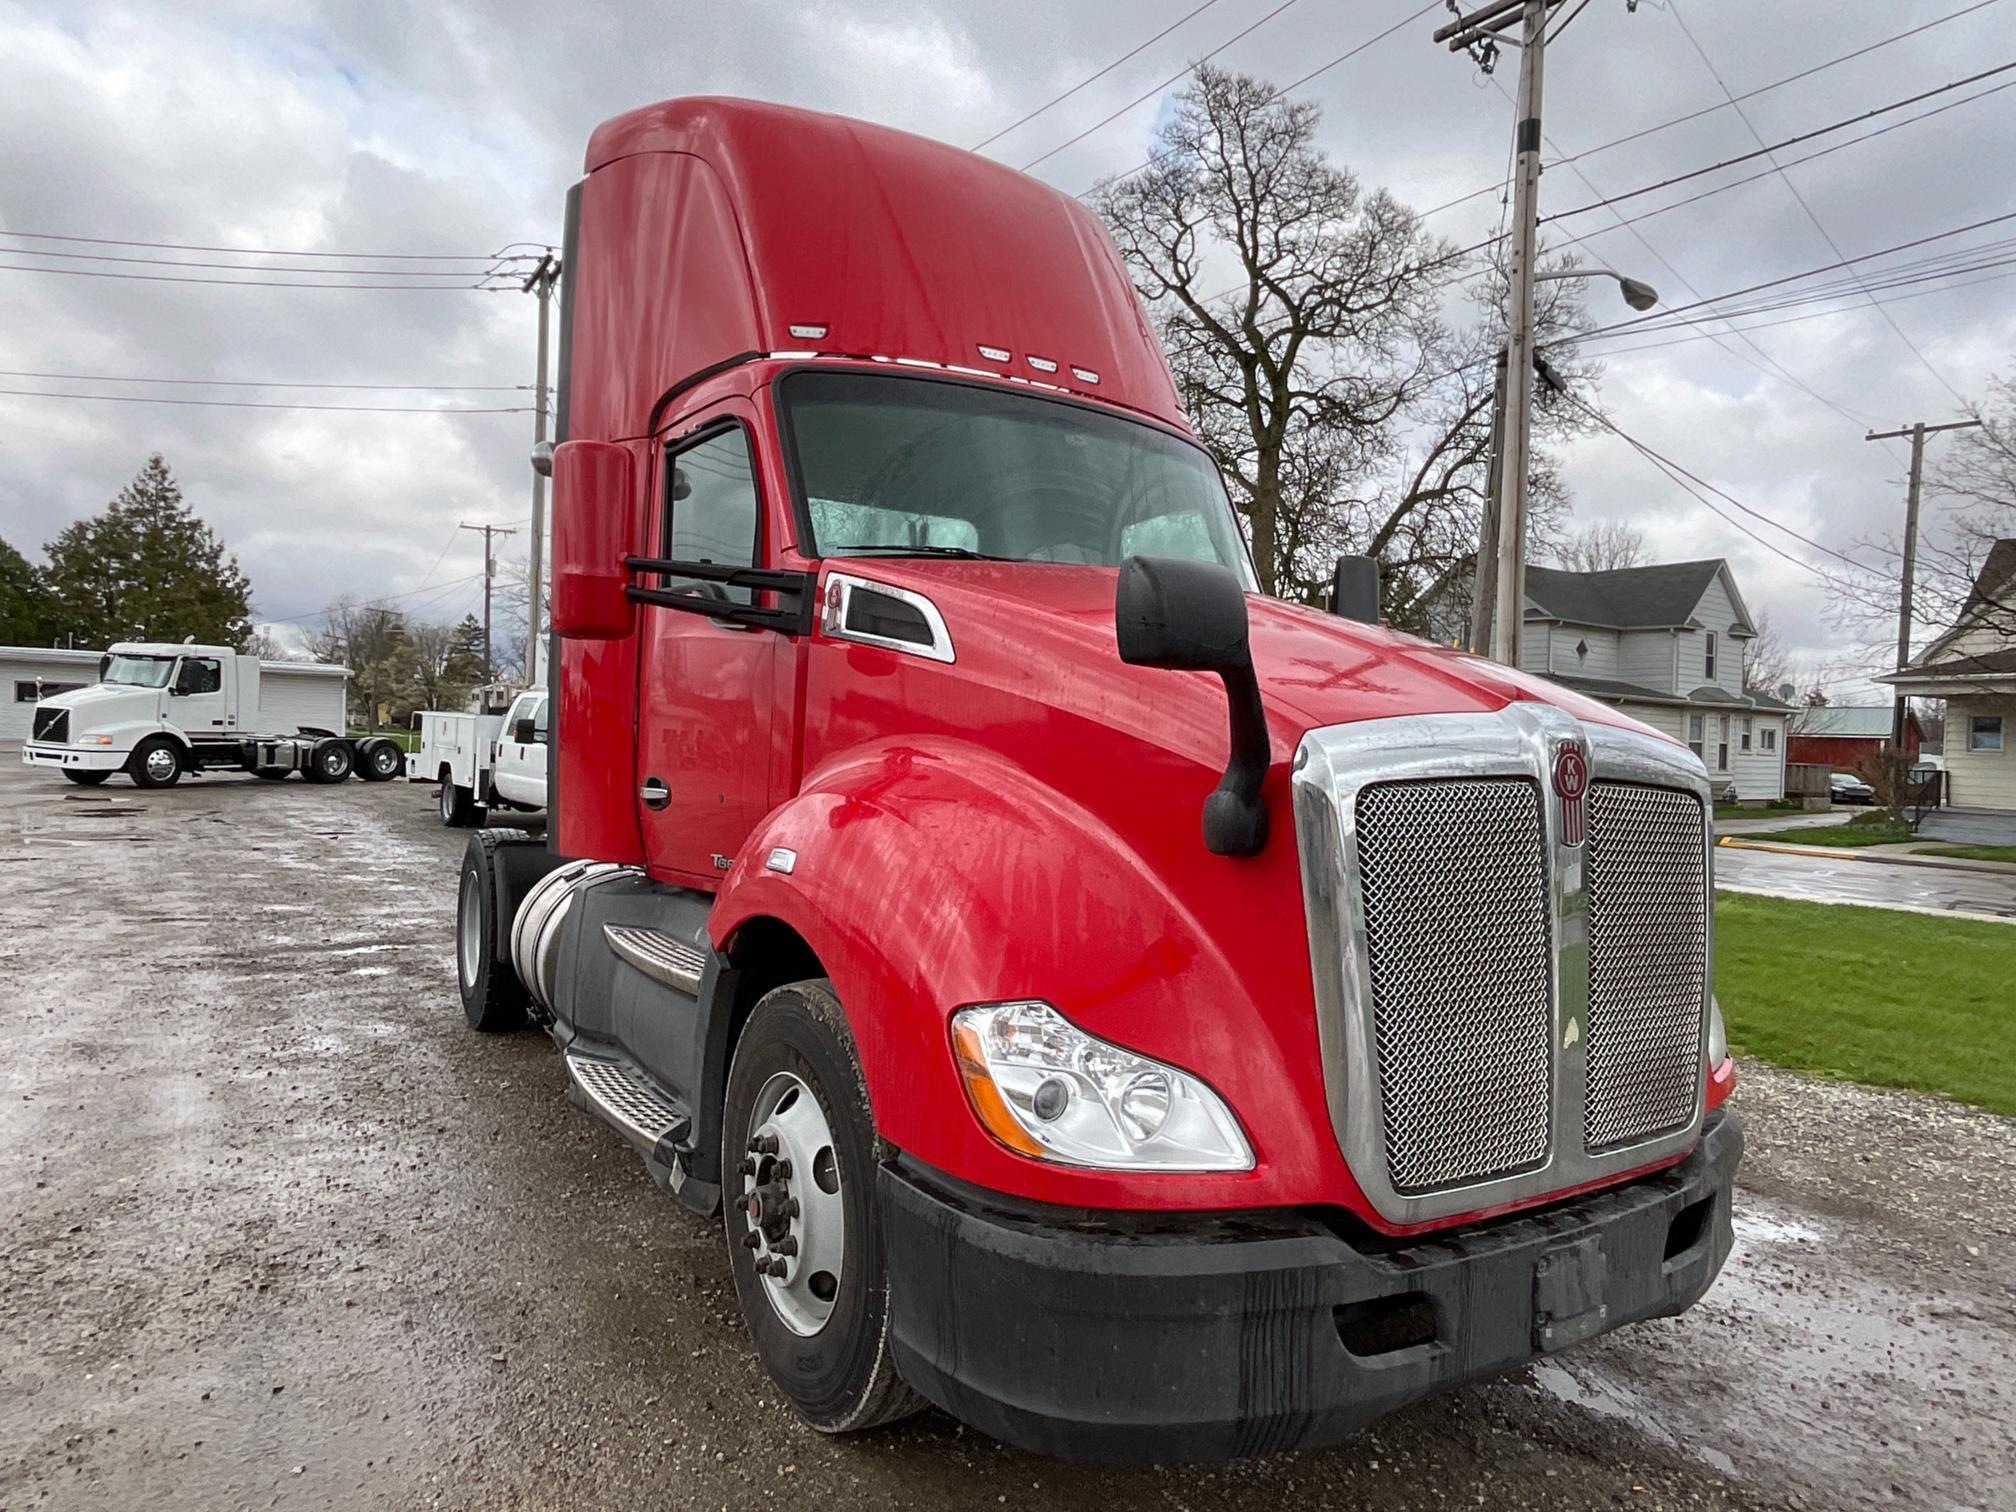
(92, 740)
(1718, 1035)
(1047, 1089)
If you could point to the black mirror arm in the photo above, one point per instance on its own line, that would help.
(1235, 815)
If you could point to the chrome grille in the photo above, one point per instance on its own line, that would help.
(1454, 889)
(1648, 961)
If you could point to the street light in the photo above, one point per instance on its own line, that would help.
(1637, 294)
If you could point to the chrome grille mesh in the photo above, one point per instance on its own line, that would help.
(1454, 889)
(1648, 961)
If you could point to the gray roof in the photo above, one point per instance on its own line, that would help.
(1721, 698)
(1988, 664)
(1845, 723)
(1628, 598)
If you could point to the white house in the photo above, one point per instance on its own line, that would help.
(290, 693)
(1973, 667)
(1666, 645)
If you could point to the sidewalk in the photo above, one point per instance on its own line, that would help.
(1767, 820)
(1904, 853)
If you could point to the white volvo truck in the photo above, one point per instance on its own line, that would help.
(159, 712)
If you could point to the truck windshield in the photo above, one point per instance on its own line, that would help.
(140, 671)
(895, 465)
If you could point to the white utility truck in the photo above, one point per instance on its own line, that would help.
(159, 712)
(484, 761)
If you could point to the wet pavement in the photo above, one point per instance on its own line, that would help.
(276, 1230)
(1846, 879)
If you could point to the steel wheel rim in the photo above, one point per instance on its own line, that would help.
(794, 1205)
(447, 801)
(384, 761)
(160, 763)
(469, 927)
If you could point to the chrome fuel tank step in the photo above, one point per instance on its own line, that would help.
(614, 1089)
(658, 955)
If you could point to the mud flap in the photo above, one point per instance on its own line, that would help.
(1569, 1285)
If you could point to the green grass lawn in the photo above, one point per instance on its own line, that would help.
(1972, 852)
(1837, 835)
(1738, 811)
(1871, 995)
(409, 740)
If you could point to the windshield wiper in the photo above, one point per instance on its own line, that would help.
(897, 549)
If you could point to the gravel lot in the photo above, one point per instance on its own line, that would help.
(276, 1230)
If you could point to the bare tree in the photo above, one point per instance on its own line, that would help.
(1977, 480)
(1295, 375)
(1767, 660)
(1603, 546)
(371, 641)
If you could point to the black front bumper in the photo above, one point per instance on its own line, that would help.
(1155, 1338)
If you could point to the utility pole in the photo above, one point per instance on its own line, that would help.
(1480, 33)
(1484, 579)
(489, 581)
(1899, 762)
(540, 282)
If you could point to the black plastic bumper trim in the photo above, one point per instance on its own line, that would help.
(1157, 1339)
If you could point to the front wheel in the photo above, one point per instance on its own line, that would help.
(804, 1237)
(493, 999)
(156, 763)
(83, 778)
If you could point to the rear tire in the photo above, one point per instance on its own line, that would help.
(83, 778)
(155, 763)
(493, 999)
(379, 760)
(822, 1334)
(458, 806)
(330, 762)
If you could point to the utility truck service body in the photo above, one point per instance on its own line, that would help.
(160, 711)
(1149, 1020)
(483, 761)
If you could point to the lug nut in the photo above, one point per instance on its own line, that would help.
(786, 1246)
(783, 1170)
(762, 1265)
(751, 1239)
(747, 1167)
(791, 1208)
(763, 1144)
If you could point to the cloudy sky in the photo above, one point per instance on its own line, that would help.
(420, 134)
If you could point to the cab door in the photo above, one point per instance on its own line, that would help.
(196, 704)
(704, 696)
(520, 772)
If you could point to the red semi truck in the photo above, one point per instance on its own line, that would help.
(1147, 1019)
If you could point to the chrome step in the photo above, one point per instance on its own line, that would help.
(658, 956)
(621, 1094)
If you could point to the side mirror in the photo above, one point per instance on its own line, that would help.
(522, 733)
(1354, 589)
(1186, 615)
(593, 504)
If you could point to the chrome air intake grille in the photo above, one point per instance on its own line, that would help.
(1648, 961)
(1454, 886)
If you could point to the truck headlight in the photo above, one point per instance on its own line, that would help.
(1047, 1089)
(1718, 1035)
(91, 740)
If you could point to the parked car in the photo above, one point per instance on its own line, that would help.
(1846, 787)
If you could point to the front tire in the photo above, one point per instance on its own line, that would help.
(493, 999)
(155, 763)
(83, 778)
(799, 1166)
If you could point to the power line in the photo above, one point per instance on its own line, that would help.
(1767, 150)
(1106, 121)
(1825, 235)
(1155, 157)
(248, 283)
(360, 409)
(1093, 78)
(185, 262)
(466, 388)
(503, 252)
(1750, 94)
(378, 603)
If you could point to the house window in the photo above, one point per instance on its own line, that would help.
(1984, 732)
(1770, 733)
(1722, 745)
(1710, 669)
(1695, 728)
(35, 690)
(1744, 742)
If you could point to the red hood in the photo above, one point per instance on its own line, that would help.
(1047, 632)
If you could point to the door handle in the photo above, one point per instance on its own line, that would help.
(654, 793)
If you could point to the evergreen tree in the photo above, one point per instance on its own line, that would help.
(147, 568)
(24, 602)
(465, 652)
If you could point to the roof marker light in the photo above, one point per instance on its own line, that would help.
(1084, 375)
(808, 332)
(1042, 364)
(993, 353)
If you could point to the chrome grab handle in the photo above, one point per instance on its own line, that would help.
(655, 793)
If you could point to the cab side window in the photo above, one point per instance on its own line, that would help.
(711, 510)
(199, 674)
(539, 720)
